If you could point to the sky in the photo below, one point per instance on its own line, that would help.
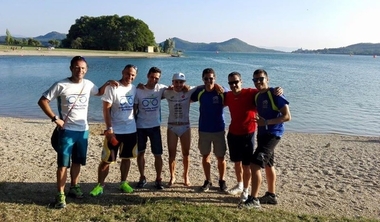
(278, 24)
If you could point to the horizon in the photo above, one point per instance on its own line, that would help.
(271, 25)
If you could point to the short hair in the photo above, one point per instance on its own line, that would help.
(154, 70)
(130, 66)
(208, 71)
(259, 71)
(234, 74)
(76, 59)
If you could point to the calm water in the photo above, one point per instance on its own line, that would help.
(327, 93)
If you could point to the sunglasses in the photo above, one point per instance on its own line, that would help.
(130, 66)
(234, 82)
(261, 79)
(179, 81)
(207, 79)
(76, 58)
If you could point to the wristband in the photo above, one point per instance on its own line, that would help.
(266, 124)
(110, 128)
(55, 118)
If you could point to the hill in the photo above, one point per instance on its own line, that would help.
(232, 45)
(356, 49)
(42, 38)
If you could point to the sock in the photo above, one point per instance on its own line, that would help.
(240, 185)
(245, 190)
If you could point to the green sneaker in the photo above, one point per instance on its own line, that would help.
(75, 192)
(124, 186)
(60, 201)
(97, 190)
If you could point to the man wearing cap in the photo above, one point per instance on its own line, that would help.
(179, 124)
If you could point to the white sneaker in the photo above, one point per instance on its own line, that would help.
(235, 190)
(244, 196)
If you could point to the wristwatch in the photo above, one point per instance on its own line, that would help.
(55, 118)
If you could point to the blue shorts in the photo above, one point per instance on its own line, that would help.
(67, 150)
(154, 135)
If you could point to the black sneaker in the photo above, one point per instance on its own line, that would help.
(268, 198)
(250, 203)
(206, 185)
(142, 182)
(158, 184)
(223, 186)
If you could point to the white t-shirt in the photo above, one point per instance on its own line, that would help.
(122, 100)
(179, 105)
(67, 93)
(149, 103)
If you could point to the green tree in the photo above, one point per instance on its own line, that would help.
(169, 46)
(33, 42)
(109, 33)
(8, 38)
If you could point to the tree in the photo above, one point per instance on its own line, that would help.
(169, 46)
(8, 38)
(109, 33)
(54, 42)
(33, 42)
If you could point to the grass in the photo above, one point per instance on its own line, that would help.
(139, 209)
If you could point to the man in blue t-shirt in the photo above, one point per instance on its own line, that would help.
(211, 127)
(272, 111)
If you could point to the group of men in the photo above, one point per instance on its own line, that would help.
(132, 115)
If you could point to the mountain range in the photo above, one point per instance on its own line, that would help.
(233, 45)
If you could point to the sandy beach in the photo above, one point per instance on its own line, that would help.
(333, 175)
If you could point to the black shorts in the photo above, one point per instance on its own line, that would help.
(264, 154)
(127, 146)
(240, 147)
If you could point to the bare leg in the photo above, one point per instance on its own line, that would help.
(158, 166)
(61, 179)
(185, 145)
(206, 166)
(141, 163)
(103, 170)
(239, 171)
(256, 180)
(271, 179)
(221, 167)
(124, 168)
(246, 175)
(172, 140)
(74, 173)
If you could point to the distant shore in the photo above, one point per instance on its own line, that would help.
(72, 52)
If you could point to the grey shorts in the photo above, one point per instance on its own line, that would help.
(218, 141)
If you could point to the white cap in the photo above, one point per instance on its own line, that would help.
(179, 76)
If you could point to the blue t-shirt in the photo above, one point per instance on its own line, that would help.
(265, 110)
(211, 118)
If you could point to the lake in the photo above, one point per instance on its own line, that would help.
(327, 93)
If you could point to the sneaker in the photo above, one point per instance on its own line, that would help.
(124, 186)
(158, 184)
(76, 192)
(244, 196)
(251, 203)
(142, 182)
(235, 190)
(223, 186)
(97, 190)
(268, 198)
(206, 185)
(60, 201)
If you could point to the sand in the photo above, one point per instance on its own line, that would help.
(333, 175)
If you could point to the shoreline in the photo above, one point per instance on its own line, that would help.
(331, 175)
(72, 52)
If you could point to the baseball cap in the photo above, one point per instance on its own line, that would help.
(179, 76)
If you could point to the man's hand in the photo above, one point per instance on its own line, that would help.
(219, 89)
(140, 86)
(113, 83)
(278, 91)
(186, 88)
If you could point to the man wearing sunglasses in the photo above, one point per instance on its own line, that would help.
(241, 131)
(211, 127)
(272, 111)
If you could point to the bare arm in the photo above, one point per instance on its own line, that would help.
(45, 106)
(108, 83)
(286, 116)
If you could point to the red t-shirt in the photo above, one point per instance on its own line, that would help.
(242, 110)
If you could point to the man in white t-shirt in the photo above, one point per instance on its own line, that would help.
(72, 95)
(120, 135)
(148, 109)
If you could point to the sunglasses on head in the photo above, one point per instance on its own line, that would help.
(130, 66)
(261, 79)
(207, 79)
(233, 82)
(76, 58)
